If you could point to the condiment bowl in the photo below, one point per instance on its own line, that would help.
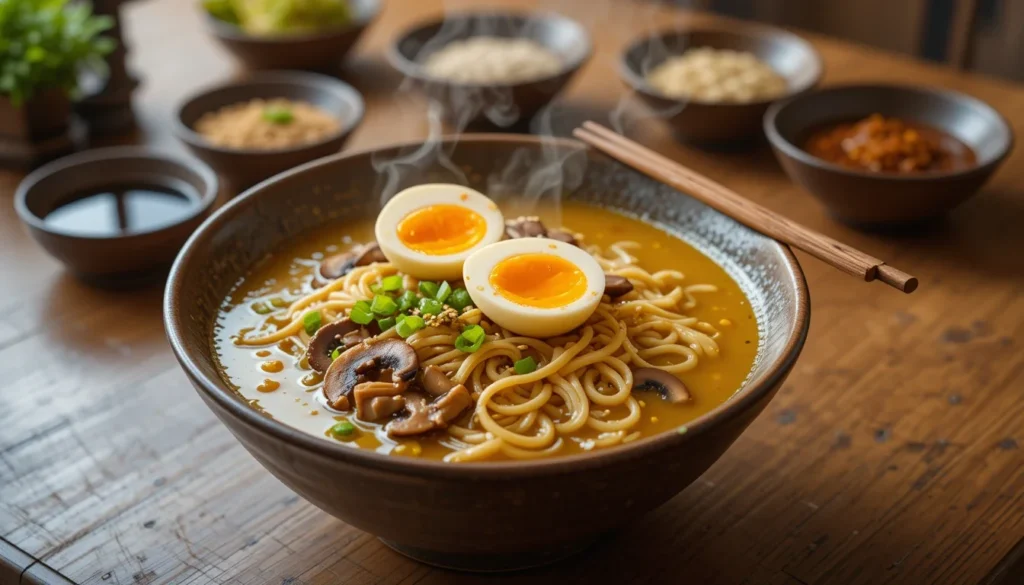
(480, 516)
(320, 50)
(245, 167)
(867, 199)
(116, 260)
(718, 124)
(496, 104)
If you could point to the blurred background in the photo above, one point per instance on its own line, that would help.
(985, 36)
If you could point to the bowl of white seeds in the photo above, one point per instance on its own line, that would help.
(496, 68)
(713, 85)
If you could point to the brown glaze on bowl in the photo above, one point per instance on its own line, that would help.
(866, 199)
(718, 124)
(315, 51)
(245, 167)
(479, 516)
(492, 105)
(123, 260)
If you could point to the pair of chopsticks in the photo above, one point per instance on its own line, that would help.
(750, 214)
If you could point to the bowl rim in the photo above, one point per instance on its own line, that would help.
(308, 79)
(175, 322)
(414, 70)
(207, 195)
(746, 29)
(790, 150)
(232, 32)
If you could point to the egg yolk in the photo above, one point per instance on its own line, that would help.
(544, 281)
(442, 229)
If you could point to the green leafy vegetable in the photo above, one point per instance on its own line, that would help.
(45, 44)
(311, 321)
(443, 291)
(383, 305)
(409, 325)
(525, 365)
(391, 283)
(460, 299)
(470, 339)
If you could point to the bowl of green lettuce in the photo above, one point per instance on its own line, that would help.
(289, 34)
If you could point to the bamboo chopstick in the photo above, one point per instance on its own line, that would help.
(754, 216)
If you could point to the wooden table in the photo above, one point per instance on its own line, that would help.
(892, 455)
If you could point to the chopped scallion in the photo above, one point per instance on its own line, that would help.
(386, 323)
(428, 288)
(443, 291)
(525, 365)
(430, 306)
(361, 313)
(407, 300)
(383, 305)
(391, 283)
(335, 353)
(343, 430)
(470, 339)
(311, 321)
(459, 299)
(409, 325)
(376, 288)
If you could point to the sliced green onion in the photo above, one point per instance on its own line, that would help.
(407, 300)
(311, 321)
(525, 365)
(443, 291)
(361, 313)
(363, 306)
(335, 353)
(459, 299)
(391, 283)
(343, 429)
(278, 115)
(376, 288)
(278, 302)
(386, 323)
(470, 339)
(428, 288)
(409, 325)
(261, 308)
(383, 305)
(430, 306)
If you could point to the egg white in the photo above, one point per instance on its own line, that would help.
(427, 266)
(532, 321)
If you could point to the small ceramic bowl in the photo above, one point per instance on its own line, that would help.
(866, 199)
(317, 51)
(715, 123)
(492, 105)
(480, 516)
(115, 260)
(243, 168)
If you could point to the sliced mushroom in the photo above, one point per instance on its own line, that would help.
(334, 267)
(616, 286)
(525, 227)
(343, 333)
(564, 236)
(435, 382)
(417, 419)
(446, 408)
(376, 401)
(391, 360)
(668, 386)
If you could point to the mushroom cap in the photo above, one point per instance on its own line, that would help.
(338, 265)
(434, 381)
(326, 340)
(616, 286)
(360, 364)
(668, 386)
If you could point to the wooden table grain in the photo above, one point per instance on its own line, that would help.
(892, 454)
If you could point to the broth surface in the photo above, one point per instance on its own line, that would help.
(272, 380)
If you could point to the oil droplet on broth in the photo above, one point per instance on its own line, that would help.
(268, 385)
(262, 353)
(272, 366)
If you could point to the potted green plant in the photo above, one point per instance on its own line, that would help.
(44, 45)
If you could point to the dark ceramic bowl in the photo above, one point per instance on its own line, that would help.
(718, 124)
(869, 199)
(245, 167)
(317, 51)
(496, 105)
(124, 260)
(481, 516)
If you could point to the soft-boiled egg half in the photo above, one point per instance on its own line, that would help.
(534, 286)
(428, 231)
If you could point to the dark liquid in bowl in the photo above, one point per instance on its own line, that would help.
(889, 145)
(121, 210)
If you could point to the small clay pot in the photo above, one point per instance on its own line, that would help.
(37, 130)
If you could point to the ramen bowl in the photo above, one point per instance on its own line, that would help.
(319, 50)
(492, 104)
(719, 123)
(495, 515)
(878, 200)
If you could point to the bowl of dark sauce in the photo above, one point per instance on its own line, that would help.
(116, 216)
(888, 155)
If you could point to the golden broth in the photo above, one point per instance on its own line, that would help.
(277, 381)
